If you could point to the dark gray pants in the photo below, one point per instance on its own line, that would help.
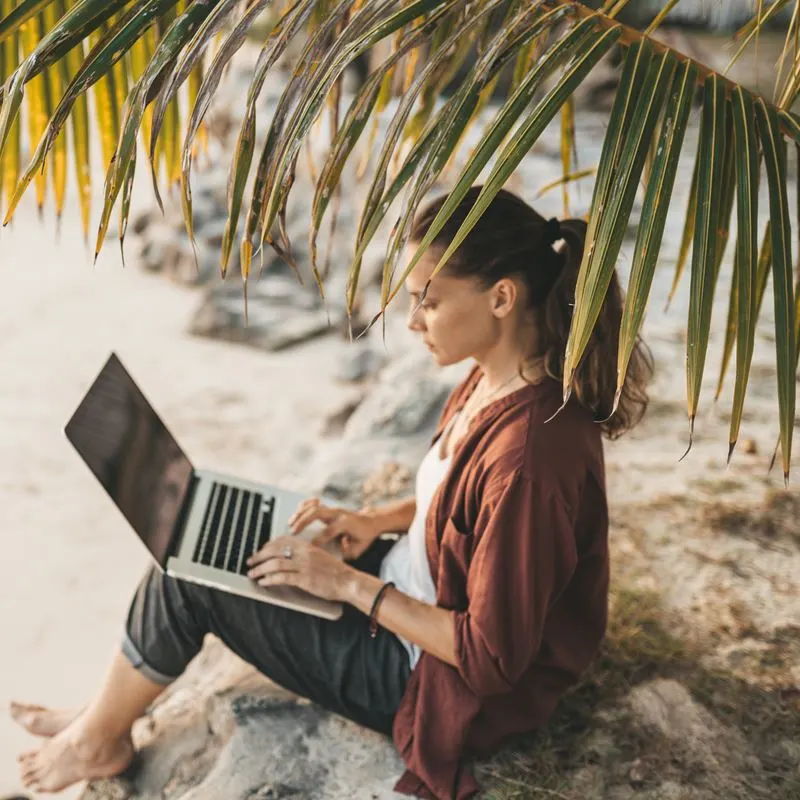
(335, 664)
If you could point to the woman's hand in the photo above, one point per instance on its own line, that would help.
(309, 567)
(355, 530)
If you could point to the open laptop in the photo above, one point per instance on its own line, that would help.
(198, 525)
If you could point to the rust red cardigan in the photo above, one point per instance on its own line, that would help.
(517, 537)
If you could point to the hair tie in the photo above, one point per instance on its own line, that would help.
(552, 231)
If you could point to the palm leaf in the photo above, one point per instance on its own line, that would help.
(746, 267)
(714, 132)
(654, 214)
(210, 25)
(506, 118)
(140, 51)
(173, 39)
(359, 112)
(378, 199)
(636, 110)
(775, 159)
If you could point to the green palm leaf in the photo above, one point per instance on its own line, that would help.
(748, 162)
(714, 133)
(775, 159)
(506, 118)
(654, 213)
(636, 111)
(135, 55)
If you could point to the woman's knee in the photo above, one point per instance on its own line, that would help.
(165, 622)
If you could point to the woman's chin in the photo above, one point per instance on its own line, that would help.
(440, 359)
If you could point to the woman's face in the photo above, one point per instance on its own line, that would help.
(455, 320)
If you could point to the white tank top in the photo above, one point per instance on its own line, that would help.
(407, 562)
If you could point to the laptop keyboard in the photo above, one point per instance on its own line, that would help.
(236, 524)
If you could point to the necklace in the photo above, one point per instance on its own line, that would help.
(477, 400)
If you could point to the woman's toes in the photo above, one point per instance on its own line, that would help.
(29, 774)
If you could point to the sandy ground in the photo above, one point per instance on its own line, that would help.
(69, 561)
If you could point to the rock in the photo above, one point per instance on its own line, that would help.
(666, 707)
(637, 773)
(405, 401)
(283, 748)
(162, 249)
(281, 313)
(389, 481)
(268, 328)
(359, 361)
(212, 230)
(335, 421)
(143, 220)
(223, 731)
(749, 447)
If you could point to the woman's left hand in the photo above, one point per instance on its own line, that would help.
(309, 567)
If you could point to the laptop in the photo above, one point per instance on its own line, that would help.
(198, 525)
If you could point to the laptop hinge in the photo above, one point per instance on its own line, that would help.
(183, 514)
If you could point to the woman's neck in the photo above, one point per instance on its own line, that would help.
(499, 367)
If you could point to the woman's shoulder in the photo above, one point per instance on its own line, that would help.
(541, 437)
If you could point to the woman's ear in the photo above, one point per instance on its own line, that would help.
(503, 298)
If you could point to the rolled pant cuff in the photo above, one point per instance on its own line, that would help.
(131, 652)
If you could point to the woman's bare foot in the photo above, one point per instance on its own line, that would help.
(71, 756)
(41, 721)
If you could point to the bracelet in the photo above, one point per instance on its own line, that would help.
(373, 621)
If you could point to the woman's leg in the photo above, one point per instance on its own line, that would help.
(334, 663)
(97, 743)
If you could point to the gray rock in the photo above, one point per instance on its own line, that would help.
(408, 398)
(666, 707)
(204, 211)
(336, 420)
(142, 221)
(212, 230)
(163, 251)
(360, 361)
(281, 748)
(268, 327)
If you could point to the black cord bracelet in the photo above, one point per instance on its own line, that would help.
(373, 621)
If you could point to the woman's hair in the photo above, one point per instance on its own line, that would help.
(510, 238)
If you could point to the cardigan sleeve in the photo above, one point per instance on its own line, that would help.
(525, 555)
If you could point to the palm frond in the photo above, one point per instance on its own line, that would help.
(136, 57)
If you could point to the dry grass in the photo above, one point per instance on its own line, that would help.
(777, 521)
(592, 744)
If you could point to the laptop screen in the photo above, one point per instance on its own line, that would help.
(130, 451)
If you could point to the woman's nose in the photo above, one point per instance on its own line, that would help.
(414, 321)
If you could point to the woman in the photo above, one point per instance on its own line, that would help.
(492, 605)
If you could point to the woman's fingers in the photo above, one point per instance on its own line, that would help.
(275, 549)
(331, 532)
(304, 516)
(281, 579)
(271, 567)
